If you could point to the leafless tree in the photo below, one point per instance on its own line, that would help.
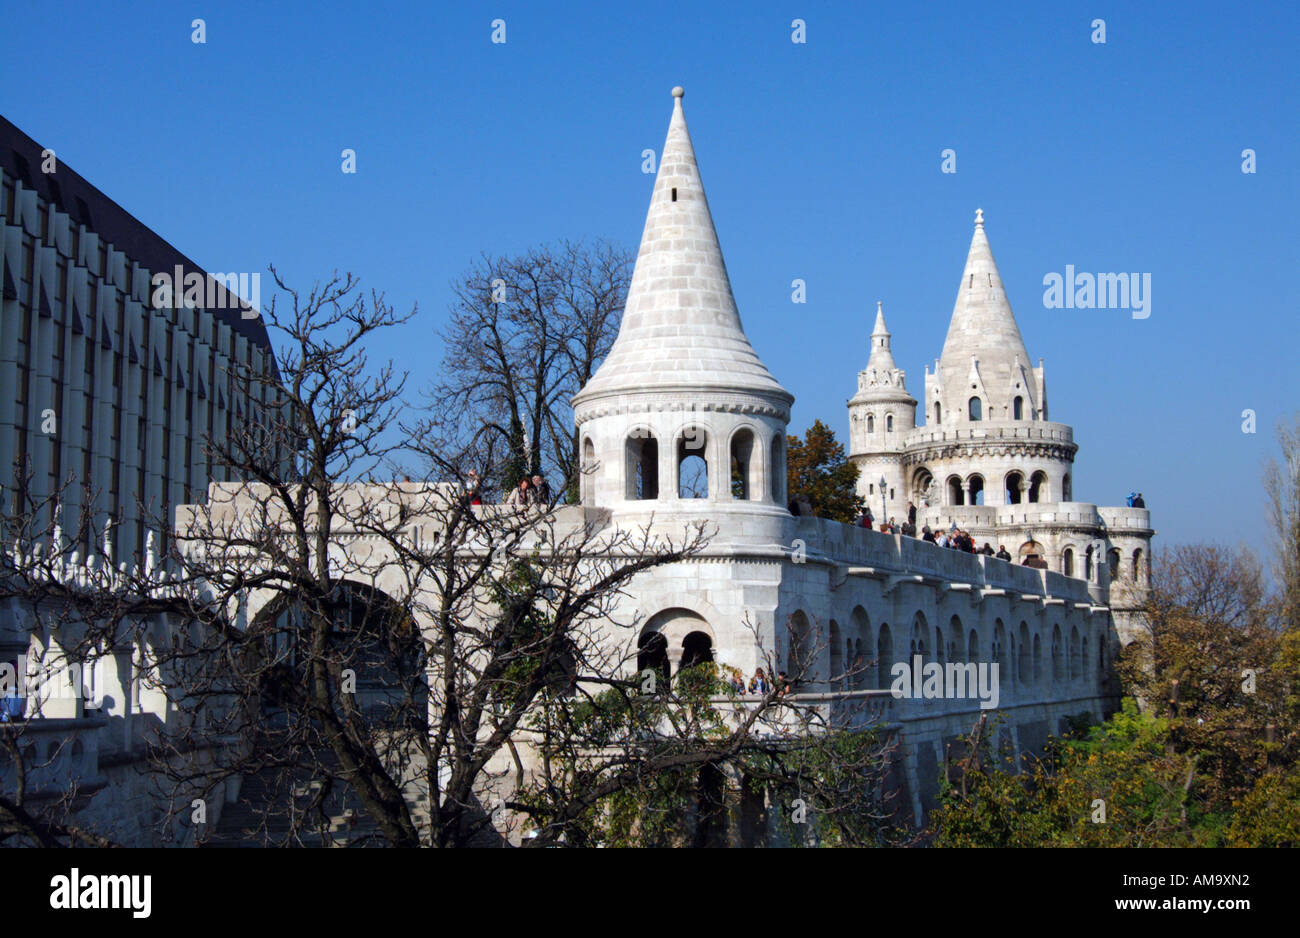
(378, 661)
(524, 335)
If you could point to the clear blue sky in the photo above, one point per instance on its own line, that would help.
(821, 161)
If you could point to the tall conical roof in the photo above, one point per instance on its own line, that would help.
(680, 327)
(882, 356)
(982, 326)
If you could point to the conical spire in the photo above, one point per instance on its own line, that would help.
(882, 356)
(680, 327)
(982, 322)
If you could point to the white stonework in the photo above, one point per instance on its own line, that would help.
(682, 385)
(987, 459)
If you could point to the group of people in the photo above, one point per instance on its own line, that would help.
(957, 539)
(530, 492)
(1135, 500)
(868, 520)
(759, 685)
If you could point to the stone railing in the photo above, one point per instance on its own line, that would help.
(56, 753)
(983, 431)
(895, 554)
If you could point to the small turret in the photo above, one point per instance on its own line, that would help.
(881, 415)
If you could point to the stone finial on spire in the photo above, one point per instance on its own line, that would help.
(679, 92)
(979, 218)
(880, 328)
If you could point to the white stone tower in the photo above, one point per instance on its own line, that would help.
(988, 459)
(682, 418)
(983, 390)
(881, 416)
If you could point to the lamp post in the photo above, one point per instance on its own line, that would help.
(884, 511)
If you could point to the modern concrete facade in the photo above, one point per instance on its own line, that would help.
(107, 397)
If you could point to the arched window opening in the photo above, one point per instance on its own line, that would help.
(1067, 488)
(922, 482)
(1137, 567)
(889, 423)
(776, 470)
(1015, 482)
(652, 655)
(697, 648)
(956, 495)
(837, 657)
(884, 656)
(1058, 656)
(799, 650)
(371, 634)
(871, 423)
(1112, 562)
(588, 471)
(1087, 563)
(743, 477)
(918, 643)
(642, 466)
(1024, 663)
(940, 648)
(976, 408)
(1038, 661)
(1018, 409)
(977, 490)
(1067, 561)
(972, 647)
(1038, 487)
(862, 645)
(1000, 651)
(938, 412)
(692, 467)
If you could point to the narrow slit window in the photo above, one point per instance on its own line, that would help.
(674, 194)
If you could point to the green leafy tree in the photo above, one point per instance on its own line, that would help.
(818, 468)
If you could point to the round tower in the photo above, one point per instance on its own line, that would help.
(881, 416)
(987, 439)
(682, 418)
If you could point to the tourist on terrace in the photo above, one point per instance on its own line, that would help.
(1002, 554)
(519, 497)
